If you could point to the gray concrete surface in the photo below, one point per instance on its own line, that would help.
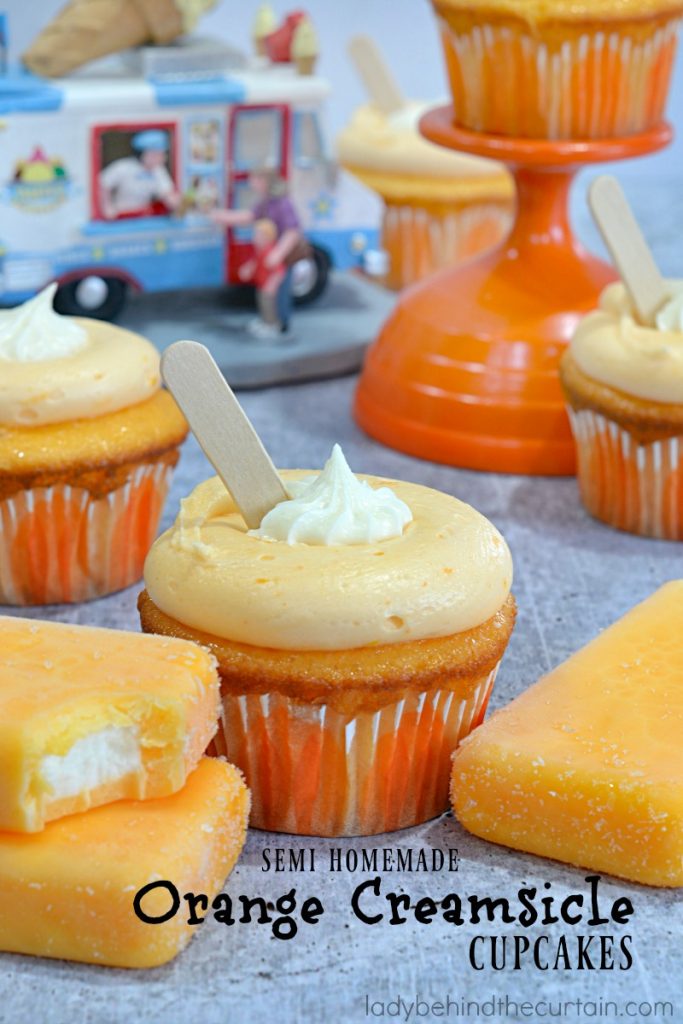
(327, 338)
(573, 577)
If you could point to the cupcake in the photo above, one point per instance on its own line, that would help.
(624, 386)
(88, 441)
(358, 633)
(440, 207)
(559, 69)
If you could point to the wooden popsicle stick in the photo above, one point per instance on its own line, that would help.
(377, 79)
(627, 246)
(223, 429)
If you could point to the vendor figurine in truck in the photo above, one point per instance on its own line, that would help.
(273, 204)
(135, 186)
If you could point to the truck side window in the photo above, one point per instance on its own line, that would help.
(308, 143)
(257, 140)
(134, 171)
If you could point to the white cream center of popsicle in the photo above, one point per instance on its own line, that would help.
(102, 757)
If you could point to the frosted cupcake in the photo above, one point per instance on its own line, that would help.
(358, 633)
(440, 207)
(624, 386)
(559, 68)
(88, 441)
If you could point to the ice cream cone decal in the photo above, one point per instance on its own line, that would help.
(305, 47)
(265, 22)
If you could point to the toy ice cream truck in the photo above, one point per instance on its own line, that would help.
(107, 179)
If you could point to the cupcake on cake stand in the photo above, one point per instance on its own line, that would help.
(465, 370)
(441, 207)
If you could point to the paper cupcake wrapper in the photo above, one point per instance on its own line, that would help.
(314, 771)
(631, 486)
(587, 85)
(61, 545)
(420, 241)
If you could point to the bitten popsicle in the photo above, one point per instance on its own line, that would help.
(89, 716)
(70, 891)
(587, 765)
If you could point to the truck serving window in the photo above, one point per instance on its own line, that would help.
(257, 139)
(308, 144)
(134, 171)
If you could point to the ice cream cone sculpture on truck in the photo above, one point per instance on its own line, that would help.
(84, 30)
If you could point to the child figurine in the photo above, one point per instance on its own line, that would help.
(267, 280)
(271, 201)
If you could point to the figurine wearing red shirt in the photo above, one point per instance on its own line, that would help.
(274, 204)
(266, 274)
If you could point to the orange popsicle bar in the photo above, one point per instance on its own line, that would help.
(68, 892)
(586, 766)
(88, 716)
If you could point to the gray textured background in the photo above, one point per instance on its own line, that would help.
(572, 578)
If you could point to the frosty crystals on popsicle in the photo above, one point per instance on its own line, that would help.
(69, 892)
(88, 716)
(586, 766)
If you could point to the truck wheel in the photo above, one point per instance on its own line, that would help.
(102, 298)
(310, 276)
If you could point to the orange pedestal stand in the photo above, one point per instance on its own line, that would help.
(465, 369)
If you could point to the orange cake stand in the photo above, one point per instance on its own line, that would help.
(465, 369)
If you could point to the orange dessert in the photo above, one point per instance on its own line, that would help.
(89, 716)
(624, 386)
(358, 633)
(71, 891)
(554, 69)
(586, 766)
(440, 207)
(88, 442)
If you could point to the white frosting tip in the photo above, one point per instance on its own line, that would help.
(670, 316)
(335, 507)
(33, 332)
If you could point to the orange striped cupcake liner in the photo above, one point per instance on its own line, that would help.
(314, 771)
(631, 486)
(420, 239)
(580, 82)
(60, 544)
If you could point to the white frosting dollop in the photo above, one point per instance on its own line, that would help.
(670, 316)
(335, 507)
(33, 332)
